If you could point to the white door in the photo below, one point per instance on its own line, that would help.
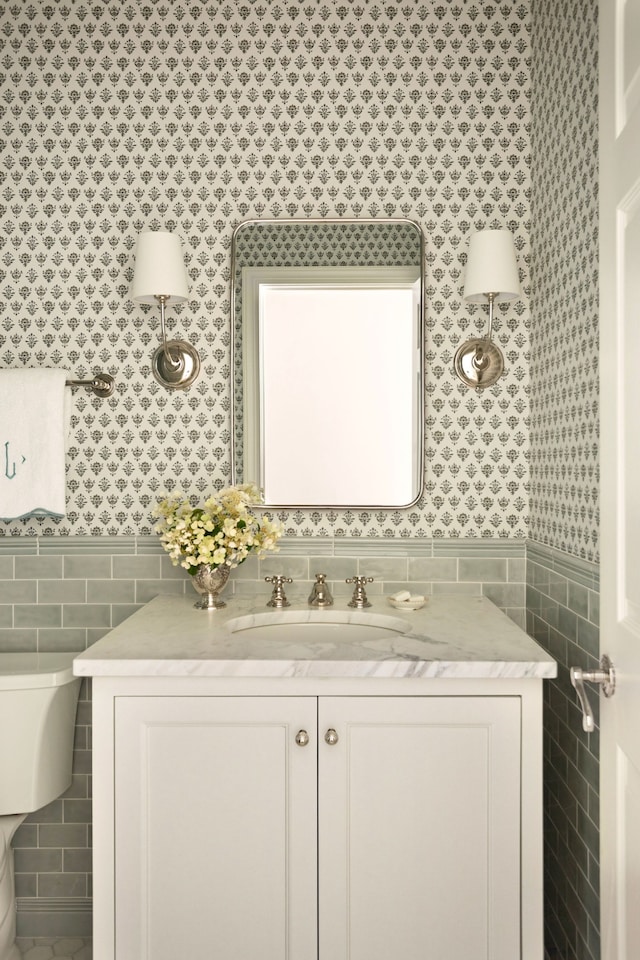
(620, 481)
(419, 828)
(215, 828)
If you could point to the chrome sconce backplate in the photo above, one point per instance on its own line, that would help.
(176, 364)
(478, 362)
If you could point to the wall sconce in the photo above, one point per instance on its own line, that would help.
(491, 276)
(159, 277)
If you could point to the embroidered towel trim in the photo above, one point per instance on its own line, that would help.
(34, 424)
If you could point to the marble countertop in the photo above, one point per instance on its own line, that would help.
(463, 637)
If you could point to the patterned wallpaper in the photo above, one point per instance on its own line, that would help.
(193, 116)
(562, 572)
(564, 237)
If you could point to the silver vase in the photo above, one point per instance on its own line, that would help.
(210, 581)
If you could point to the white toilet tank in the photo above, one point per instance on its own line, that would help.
(38, 700)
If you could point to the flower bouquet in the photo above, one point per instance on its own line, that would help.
(211, 540)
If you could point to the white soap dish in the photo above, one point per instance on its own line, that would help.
(410, 604)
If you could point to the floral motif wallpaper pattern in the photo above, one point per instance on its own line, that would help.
(564, 337)
(193, 116)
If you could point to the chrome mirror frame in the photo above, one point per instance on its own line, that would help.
(235, 360)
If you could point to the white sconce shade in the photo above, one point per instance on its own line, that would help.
(491, 267)
(160, 277)
(159, 269)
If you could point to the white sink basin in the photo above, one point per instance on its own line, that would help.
(317, 626)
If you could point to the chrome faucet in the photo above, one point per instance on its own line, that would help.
(320, 595)
(278, 598)
(359, 598)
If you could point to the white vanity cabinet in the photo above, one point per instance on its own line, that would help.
(279, 799)
(316, 827)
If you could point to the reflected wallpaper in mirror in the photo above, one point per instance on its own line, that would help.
(327, 357)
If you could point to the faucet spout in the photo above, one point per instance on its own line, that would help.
(320, 595)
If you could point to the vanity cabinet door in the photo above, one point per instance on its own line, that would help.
(419, 828)
(215, 828)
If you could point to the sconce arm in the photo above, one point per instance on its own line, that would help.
(170, 359)
(491, 297)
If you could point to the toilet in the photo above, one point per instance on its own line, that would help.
(38, 700)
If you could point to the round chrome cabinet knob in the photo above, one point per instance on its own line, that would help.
(331, 737)
(302, 738)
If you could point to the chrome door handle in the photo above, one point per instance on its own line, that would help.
(605, 676)
(331, 737)
(302, 738)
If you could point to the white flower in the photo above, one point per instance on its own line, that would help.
(223, 531)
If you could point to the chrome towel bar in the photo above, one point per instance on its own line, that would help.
(102, 385)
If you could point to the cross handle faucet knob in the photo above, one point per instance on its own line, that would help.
(278, 598)
(359, 598)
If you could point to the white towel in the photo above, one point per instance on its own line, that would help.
(35, 413)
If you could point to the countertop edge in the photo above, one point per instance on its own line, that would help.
(267, 669)
(464, 638)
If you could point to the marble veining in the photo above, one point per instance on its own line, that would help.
(449, 637)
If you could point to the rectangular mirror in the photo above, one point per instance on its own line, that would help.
(328, 404)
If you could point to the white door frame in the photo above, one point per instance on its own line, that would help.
(620, 469)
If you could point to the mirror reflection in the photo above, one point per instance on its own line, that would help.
(327, 362)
